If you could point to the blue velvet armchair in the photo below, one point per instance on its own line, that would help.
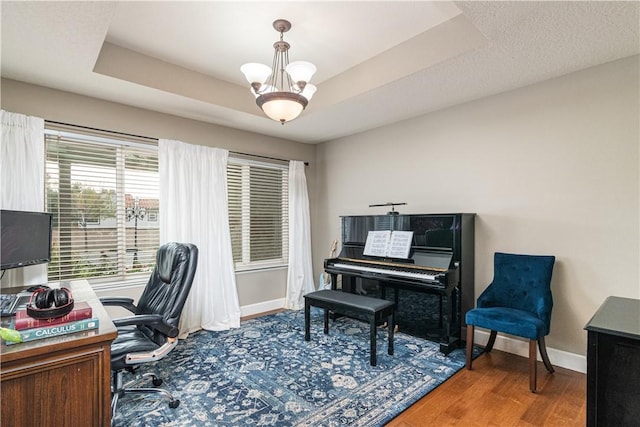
(517, 302)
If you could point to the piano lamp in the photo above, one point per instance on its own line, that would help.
(283, 90)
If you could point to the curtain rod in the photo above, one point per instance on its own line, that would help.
(102, 130)
(263, 157)
(156, 139)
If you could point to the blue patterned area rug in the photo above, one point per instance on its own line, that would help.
(265, 374)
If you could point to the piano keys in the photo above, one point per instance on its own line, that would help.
(440, 266)
(386, 270)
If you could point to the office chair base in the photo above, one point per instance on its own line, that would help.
(119, 390)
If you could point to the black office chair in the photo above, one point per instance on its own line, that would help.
(151, 333)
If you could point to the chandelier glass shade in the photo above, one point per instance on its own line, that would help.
(283, 90)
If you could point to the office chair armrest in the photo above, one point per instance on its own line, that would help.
(152, 356)
(123, 302)
(151, 320)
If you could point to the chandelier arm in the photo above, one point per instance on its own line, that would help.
(274, 73)
(279, 75)
(290, 87)
(284, 60)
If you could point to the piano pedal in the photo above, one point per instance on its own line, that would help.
(385, 324)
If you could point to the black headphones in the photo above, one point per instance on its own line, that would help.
(50, 303)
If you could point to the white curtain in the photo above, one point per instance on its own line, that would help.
(193, 203)
(22, 174)
(300, 274)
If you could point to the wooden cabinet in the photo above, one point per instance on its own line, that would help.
(613, 364)
(60, 381)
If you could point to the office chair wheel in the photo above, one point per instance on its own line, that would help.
(174, 403)
(157, 381)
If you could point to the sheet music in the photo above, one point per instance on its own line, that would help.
(377, 243)
(396, 244)
(400, 244)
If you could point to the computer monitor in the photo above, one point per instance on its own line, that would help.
(25, 238)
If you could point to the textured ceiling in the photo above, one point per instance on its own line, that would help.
(378, 62)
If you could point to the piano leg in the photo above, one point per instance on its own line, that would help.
(348, 283)
(448, 343)
(396, 299)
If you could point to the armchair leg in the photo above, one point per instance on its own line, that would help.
(545, 357)
(470, 329)
(532, 366)
(492, 340)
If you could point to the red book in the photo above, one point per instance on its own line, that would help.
(81, 310)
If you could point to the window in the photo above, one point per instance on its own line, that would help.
(258, 213)
(103, 192)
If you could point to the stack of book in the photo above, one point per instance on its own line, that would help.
(79, 319)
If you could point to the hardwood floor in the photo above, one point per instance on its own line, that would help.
(496, 393)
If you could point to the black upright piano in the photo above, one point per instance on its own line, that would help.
(433, 287)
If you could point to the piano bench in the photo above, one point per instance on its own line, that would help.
(374, 309)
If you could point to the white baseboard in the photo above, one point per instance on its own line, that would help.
(561, 358)
(262, 307)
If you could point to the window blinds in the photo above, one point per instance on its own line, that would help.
(103, 193)
(258, 213)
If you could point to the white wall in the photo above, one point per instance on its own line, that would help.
(549, 169)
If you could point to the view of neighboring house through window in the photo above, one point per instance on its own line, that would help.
(103, 192)
(258, 213)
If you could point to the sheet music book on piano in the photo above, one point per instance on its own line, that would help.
(388, 244)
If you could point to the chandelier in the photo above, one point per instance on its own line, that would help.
(283, 90)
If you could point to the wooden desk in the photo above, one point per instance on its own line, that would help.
(60, 381)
